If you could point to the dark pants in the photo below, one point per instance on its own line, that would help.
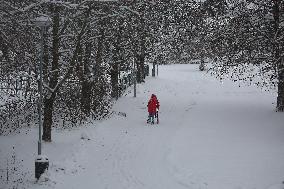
(151, 117)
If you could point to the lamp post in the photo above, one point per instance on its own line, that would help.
(41, 163)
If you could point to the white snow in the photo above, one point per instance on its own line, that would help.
(211, 135)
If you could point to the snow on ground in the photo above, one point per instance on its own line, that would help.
(211, 135)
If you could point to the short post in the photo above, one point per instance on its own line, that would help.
(158, 69)
(153, 70)
(134, 75)
(147, 70)
(134, 83)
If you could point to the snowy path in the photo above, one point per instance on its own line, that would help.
(211, 136)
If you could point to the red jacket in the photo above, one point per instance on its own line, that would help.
(152, 106)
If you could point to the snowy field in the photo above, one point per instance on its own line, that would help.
(211, 135)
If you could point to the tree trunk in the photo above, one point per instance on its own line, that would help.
(86, 83)
(117, 59)
(140, 68)
(277, 57)
(280, 97)
(142, 44)
(86, 98)
(49, 102)
(47, 117)
(114, 80)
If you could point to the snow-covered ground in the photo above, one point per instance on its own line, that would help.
(211, 135)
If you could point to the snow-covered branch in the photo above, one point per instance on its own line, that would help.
(130, 10)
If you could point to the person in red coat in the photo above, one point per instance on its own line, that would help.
(153, 107)
(157, 104)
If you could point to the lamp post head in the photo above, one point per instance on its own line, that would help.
(42, 21)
